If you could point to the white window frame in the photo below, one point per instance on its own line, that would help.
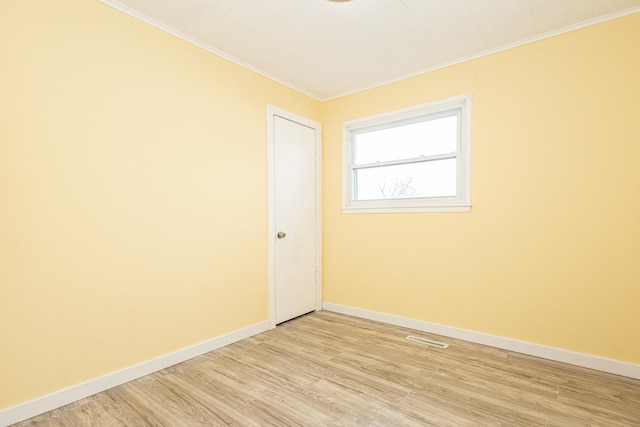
(461, 202)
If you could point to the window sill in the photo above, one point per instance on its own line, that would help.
(401, 209)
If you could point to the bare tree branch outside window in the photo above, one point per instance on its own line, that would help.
(393, 186)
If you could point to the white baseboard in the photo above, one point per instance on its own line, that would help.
(71, 394)
(612, 366)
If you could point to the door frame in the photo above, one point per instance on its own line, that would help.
(273, 112)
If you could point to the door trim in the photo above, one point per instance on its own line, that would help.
(273, 112)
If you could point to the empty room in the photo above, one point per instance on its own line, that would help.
(320, 212)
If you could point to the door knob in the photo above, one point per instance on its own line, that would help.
(281, 235)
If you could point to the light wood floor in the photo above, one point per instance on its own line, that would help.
(329, 369)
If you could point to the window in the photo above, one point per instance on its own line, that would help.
(411, 160)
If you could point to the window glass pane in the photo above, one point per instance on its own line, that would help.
(430, 137)
(435, 178)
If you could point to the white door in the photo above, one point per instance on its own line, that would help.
(294, 222)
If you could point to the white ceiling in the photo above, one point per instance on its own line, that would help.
(331, 48)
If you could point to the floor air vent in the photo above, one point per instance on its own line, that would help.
(427, 342)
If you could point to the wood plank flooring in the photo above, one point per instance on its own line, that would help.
(328, 369)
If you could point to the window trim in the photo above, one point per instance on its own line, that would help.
(459, 203)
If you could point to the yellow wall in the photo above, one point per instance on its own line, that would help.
(550, 252)
(133, 198)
